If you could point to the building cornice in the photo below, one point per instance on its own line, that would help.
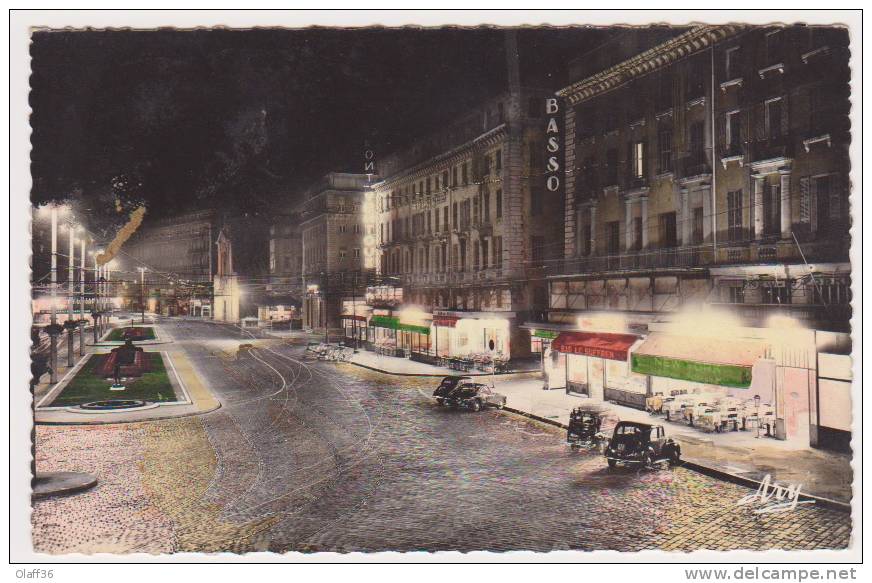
(490, 138)
(662, 55)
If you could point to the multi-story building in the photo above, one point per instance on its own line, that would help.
(182, 257)
(709, 170)
(465, 228)
(335, 255)
(286, 259)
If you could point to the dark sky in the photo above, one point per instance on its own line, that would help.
(236, 119)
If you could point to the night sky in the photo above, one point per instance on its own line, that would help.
(242, 119)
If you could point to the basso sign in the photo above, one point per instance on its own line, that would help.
(552, 145)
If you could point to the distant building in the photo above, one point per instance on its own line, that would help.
(285, 259)
(182, 258)
(335, 257)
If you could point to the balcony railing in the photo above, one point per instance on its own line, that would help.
(766, 252)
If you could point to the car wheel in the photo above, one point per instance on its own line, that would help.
(476, 406)
(612, 464)
(647, 460)
(440, 401)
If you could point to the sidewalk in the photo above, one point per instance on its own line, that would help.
(740, 456)
(737, 456)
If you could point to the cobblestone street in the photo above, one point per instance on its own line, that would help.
(316, 456)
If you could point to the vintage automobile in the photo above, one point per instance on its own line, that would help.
(641, 444)
(475, 396)
(447, 385)
(584, 427)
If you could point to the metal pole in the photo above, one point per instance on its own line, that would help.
(96, 299)
(142, 292)
(53, 355)
(71, 278)
(82, 269)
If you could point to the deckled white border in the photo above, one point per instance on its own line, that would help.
(20, 422)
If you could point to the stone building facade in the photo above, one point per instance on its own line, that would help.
(465, 226)
(709, 173)
(332, 234)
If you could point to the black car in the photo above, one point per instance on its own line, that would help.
(642, 444)
(475, 396)
(584, 427)
(447, 385)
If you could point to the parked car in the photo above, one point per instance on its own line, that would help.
(475, 396)
(641, 444)
(447, 385)
(584, 427)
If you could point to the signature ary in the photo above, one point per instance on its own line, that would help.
(774, 497)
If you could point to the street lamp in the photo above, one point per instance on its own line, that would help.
(71, 278)
(142, 291)
(82, 269)
(53, 355)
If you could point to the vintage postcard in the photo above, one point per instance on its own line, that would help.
(437, 289)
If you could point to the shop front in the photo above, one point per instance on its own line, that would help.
(354, 329)
(596, 366)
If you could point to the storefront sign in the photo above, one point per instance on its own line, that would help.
(552, 145)
(598, 345)
(547, 334)
(725, 375)
(414, 328)
(390, 322)
(445, 321)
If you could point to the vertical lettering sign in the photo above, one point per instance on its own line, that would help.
(368, 160)
(552, 145)
(369, 210)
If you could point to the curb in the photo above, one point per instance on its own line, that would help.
(709, 471)
(103, 421)
(61, 484)
(436, 375)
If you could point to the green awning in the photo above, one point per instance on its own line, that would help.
(390, 322)
(724, 362)
(414, 328)
(725, 375)
(547, 334)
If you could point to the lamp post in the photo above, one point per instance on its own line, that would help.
(71, 279)
(142, 291)
(96, 312)
(82, 268)
(53, 355)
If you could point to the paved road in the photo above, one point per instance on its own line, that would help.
(316, 456)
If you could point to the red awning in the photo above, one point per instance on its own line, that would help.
(597, 344)
(445, 321)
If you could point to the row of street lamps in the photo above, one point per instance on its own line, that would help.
(102, 277)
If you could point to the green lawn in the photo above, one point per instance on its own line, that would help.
(142, 333)
(154, 386)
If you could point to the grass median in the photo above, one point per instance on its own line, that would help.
(135, 333)
(86, 387)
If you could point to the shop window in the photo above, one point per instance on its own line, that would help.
(734, 294)
(830, 292)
